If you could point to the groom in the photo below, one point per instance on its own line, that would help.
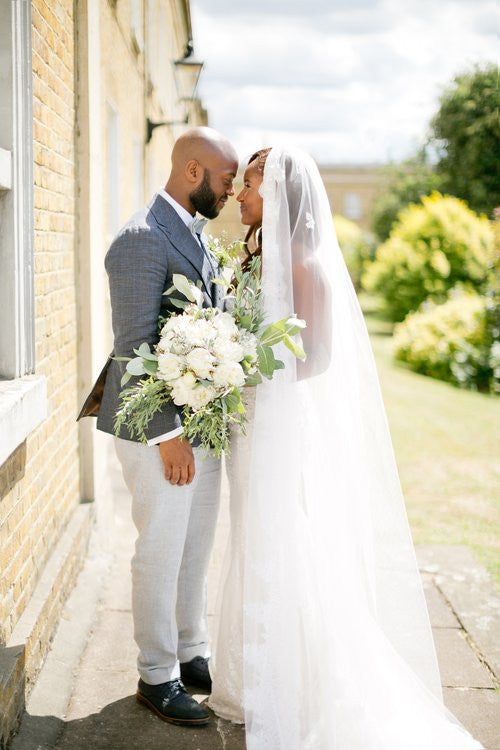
(174, 487)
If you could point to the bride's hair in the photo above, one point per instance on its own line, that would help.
(254, 234)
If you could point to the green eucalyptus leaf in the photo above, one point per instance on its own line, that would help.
(136, 367)
(150, 366)
(233, 400)
(183, 285)
(266, 360)
(294, 347)
(122, 359)
(246, 322)
(125, 378)
(180, 303)
(187, 288)
(145, 352)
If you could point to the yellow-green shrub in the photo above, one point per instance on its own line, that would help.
(434, 246)
(453, 341)
(358, 247)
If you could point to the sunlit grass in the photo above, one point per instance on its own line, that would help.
(447, 448)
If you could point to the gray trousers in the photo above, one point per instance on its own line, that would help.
(176, 527)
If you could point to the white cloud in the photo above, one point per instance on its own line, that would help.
(348, 80)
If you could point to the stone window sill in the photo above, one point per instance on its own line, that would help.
(23, 406)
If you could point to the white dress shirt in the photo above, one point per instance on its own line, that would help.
(186, 218)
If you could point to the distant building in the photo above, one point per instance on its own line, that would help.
(78, 81)
(351, 191)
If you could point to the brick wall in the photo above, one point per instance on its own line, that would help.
(39, 483)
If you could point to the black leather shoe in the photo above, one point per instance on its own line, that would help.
(171, 702)
(195, 672)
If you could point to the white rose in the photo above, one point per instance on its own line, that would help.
(182, 387)
(224, 323)
(200, 396)
(229, 373)
(201, 362)
(170, 366)
(200, 332)
(179, 393)
(228, 351)
(188, 380)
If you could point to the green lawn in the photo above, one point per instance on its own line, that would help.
(447, 448)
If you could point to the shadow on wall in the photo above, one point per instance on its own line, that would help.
(12, 471)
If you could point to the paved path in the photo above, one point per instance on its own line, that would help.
(84, 701)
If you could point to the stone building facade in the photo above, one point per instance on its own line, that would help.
(77, 84)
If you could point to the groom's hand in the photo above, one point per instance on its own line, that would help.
(178, 461)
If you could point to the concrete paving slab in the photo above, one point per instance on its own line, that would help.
(458, 664)
(479, 709)
(470, 592)
(440, 614)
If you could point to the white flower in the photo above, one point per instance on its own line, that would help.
(200, 332)
(228, 351)
(201, 362)
(188, 380)
(249, 343)
(200, 396)
(225, 325)
(229, 373)
(182, 388)
(170, 366)
(180, 394)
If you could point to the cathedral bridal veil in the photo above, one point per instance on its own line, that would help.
(337, 646)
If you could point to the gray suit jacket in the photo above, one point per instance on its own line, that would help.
(153, 245)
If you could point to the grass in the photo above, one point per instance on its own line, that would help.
(447, 448)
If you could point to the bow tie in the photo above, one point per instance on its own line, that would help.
(197, 225)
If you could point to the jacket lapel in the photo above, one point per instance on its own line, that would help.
(217, 290)
(182, 239)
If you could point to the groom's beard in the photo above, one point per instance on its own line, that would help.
(204, 199)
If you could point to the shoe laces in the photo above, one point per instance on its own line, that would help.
(176, 688)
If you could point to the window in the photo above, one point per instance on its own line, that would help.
(16, 199)
(352, 206)
(22, 396)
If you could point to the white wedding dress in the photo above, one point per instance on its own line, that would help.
(227, 660)
(323, 640)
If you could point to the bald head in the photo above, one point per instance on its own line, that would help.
(204, 165)
(202, 144)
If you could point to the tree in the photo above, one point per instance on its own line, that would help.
(403, 183)
(466, 129)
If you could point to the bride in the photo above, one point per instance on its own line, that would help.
(323, 639)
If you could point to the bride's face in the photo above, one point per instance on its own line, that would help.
(249, 198)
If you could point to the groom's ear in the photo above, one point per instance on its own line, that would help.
(193, 171)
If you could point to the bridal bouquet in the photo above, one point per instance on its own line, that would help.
(205, 356)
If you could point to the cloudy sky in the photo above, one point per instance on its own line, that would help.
(350, 81)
